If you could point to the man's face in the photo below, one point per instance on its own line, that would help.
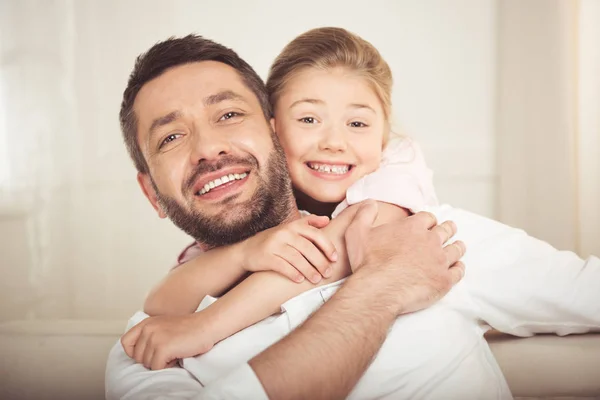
(214, 167)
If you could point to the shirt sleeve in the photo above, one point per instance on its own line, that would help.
(402, 179)
(523, 286)
(127, 380)
(193, 250)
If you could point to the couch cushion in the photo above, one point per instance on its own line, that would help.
(548, 365)
(66, 359)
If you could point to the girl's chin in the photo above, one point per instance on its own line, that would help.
(324, 197)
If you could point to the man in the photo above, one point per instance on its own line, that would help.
(182, 93)
(185, 85)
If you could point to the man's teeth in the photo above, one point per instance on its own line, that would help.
(330, 169)
(220, 181)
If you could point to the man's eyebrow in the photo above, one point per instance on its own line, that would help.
(222, 96)
(306, 100)
(162, 121)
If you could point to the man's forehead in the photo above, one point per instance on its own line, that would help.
(190, 82)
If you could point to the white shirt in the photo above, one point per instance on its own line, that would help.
(513, 283)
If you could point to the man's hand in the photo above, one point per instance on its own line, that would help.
(157, 342)
(405, 260)
(296, 250)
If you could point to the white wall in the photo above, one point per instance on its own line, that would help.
(548, 133)
(77, 238)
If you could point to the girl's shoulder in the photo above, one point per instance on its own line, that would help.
(401, 150)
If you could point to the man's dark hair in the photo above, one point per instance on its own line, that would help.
(171, 53)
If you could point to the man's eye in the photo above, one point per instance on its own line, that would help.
(229, 115)
(357, 124)
(308, 120)
(169, 139)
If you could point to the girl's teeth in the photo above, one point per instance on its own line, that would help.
(220, 181)
(335, 169)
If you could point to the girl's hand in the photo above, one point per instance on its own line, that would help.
(296, 250)
(158, 342)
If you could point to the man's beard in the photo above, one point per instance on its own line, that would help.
(270, 205)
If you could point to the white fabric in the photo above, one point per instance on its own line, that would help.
(125, 379)
(403, 178)
(514, 283)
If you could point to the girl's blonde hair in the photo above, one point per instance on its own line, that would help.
(327, 48)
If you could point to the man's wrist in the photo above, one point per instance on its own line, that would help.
(374, 289)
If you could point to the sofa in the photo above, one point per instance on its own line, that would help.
(65, 359)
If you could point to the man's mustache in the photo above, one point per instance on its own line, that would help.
(205, 167)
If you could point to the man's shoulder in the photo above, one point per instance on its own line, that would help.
(447, 212)
(473, 228)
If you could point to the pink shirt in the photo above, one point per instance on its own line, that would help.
(402, 179)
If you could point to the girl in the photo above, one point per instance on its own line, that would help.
(331, 95)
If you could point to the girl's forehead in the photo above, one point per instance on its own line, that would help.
(339, 84)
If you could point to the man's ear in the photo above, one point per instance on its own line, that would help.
(148, 189)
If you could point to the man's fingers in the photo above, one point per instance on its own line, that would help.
(425, 219)
(454, 252)
(445, 231)
(358, 230)
(457, 272)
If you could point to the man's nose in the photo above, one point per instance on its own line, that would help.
(209, 145)
(333, 140)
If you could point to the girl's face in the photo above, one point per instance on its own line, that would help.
(331, 125)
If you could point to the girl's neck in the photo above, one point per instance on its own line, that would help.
(309, 204)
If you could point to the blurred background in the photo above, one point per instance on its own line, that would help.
(502, 95)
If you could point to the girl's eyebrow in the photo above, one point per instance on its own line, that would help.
(365, 106)
(317, 101)
(307, 100)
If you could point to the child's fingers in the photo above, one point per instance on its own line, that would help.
(284, 268)
(129, 339)
(318, 237)
(318, 221)
(313, 255)
(159, 360)
(150, 350)
(140, 347)
(297, 260)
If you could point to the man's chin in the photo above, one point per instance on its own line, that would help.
(231, 215)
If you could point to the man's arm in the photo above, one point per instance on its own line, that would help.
(523, 286)
(158, 341)
(403, 268)
(296, 250)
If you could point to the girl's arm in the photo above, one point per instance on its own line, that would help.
(296, 250)
(262, 294)
(211, 273)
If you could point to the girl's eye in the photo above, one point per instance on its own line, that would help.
(357, 124)
(308, 120)
(229, 115)
(169, 139)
